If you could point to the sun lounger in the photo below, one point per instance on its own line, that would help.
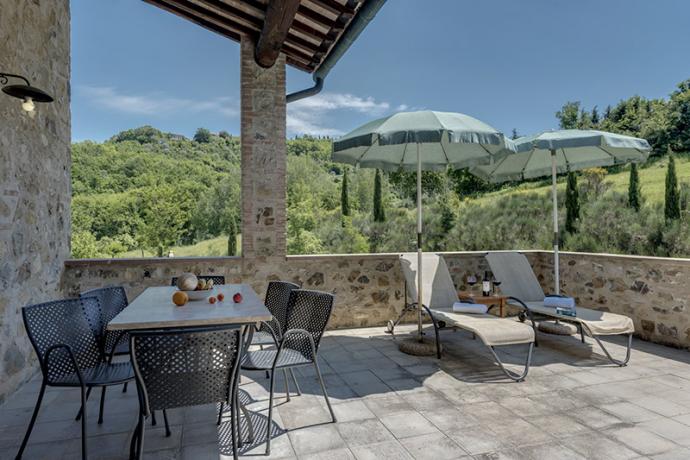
(439, 295)
(519, 282)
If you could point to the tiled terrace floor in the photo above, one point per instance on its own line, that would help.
(573, 405)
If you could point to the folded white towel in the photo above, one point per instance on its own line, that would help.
(562, 302)
(474, 308)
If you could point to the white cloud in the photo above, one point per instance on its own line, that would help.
(312, 115)
(156, 103)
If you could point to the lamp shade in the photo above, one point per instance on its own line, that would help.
(26, 91)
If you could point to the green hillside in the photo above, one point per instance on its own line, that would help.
(148, 192)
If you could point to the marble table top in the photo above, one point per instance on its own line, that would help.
(154, 308)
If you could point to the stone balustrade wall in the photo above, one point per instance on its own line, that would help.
(369, 288)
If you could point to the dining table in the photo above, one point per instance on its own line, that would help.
(154, 309)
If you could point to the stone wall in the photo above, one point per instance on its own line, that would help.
(370, 290)
(34, 173)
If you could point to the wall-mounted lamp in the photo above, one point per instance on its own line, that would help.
(27, 93)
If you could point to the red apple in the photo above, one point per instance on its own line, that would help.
(211, 299)
(220, 297)
(237, 298)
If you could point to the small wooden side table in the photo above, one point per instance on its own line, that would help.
(488, 300)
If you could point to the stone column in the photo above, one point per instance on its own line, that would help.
(263, 156)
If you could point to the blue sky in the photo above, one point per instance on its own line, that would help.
(509, 63)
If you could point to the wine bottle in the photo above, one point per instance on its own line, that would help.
(486, 284)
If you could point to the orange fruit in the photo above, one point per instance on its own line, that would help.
(211, 299)
(220, 297)
(180, 298)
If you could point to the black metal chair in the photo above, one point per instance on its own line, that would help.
(307, 315)
(270, 332)
(217, 279)
(69, 353)
(112, 300)
(185, 367)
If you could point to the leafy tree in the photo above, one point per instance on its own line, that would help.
(379, 213)
(584, 120)
(568, 115)
(166, 211)
(572, 204)
(634, 193)
(466, 184)
(672, 201)
(202, 136)
(224, 134)
(680, 117)
(143, 135)
(344, 196)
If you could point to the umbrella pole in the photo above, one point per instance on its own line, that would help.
(419, 245)
(554, 197)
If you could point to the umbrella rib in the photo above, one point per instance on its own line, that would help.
(367, 150)
(402, 157)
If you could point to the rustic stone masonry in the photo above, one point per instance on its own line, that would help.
(263, 156)
(369, 288)
(34, 174)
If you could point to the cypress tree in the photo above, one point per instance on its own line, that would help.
(344, 199)
(379, 214)
(672, 205)
(634, 195)
(572, 204)
(232, 238)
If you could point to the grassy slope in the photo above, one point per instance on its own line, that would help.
(652, 179)
(213, 247)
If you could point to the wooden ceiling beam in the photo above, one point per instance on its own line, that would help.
(277, 23)
(176, 10)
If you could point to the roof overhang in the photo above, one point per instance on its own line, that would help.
(305, 31)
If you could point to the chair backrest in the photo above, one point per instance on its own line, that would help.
(438, 289)
(310, 311)
(112, 300)
(62, 322)
(184, 367)
(217, 279)
(516, 276)
(278, 299)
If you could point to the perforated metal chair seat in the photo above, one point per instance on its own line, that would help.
(261, 360)
(122, 348)
(262, 338)
(101, 374)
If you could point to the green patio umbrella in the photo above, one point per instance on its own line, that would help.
(424, 140)
(553, 152)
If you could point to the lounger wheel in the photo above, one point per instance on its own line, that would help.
(441, 324)
(522, 316)
(390, 326)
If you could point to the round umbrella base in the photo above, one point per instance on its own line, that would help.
(557, 328)
(412, 346)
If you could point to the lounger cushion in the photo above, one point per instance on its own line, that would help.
(598, 322)
(491, 330)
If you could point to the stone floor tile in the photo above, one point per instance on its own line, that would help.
(450, 418)
(629, 412)
(519, 432)
(479, 439)
(550, 451)
(388, 450)
(406, 424)
(558, 425)
(669, 429)
(596, 446)
(335, 454)
(667, 408)
(316, 439)
(434, 446)
(594, 417)
(352, 410)
(363, 432)
(388, 405)
(676, 454)
(642, 441)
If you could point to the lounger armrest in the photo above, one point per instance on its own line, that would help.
(524, 306)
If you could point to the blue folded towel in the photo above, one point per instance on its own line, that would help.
(466, 307)
(557, 301)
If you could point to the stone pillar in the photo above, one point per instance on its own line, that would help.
(263, 156)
